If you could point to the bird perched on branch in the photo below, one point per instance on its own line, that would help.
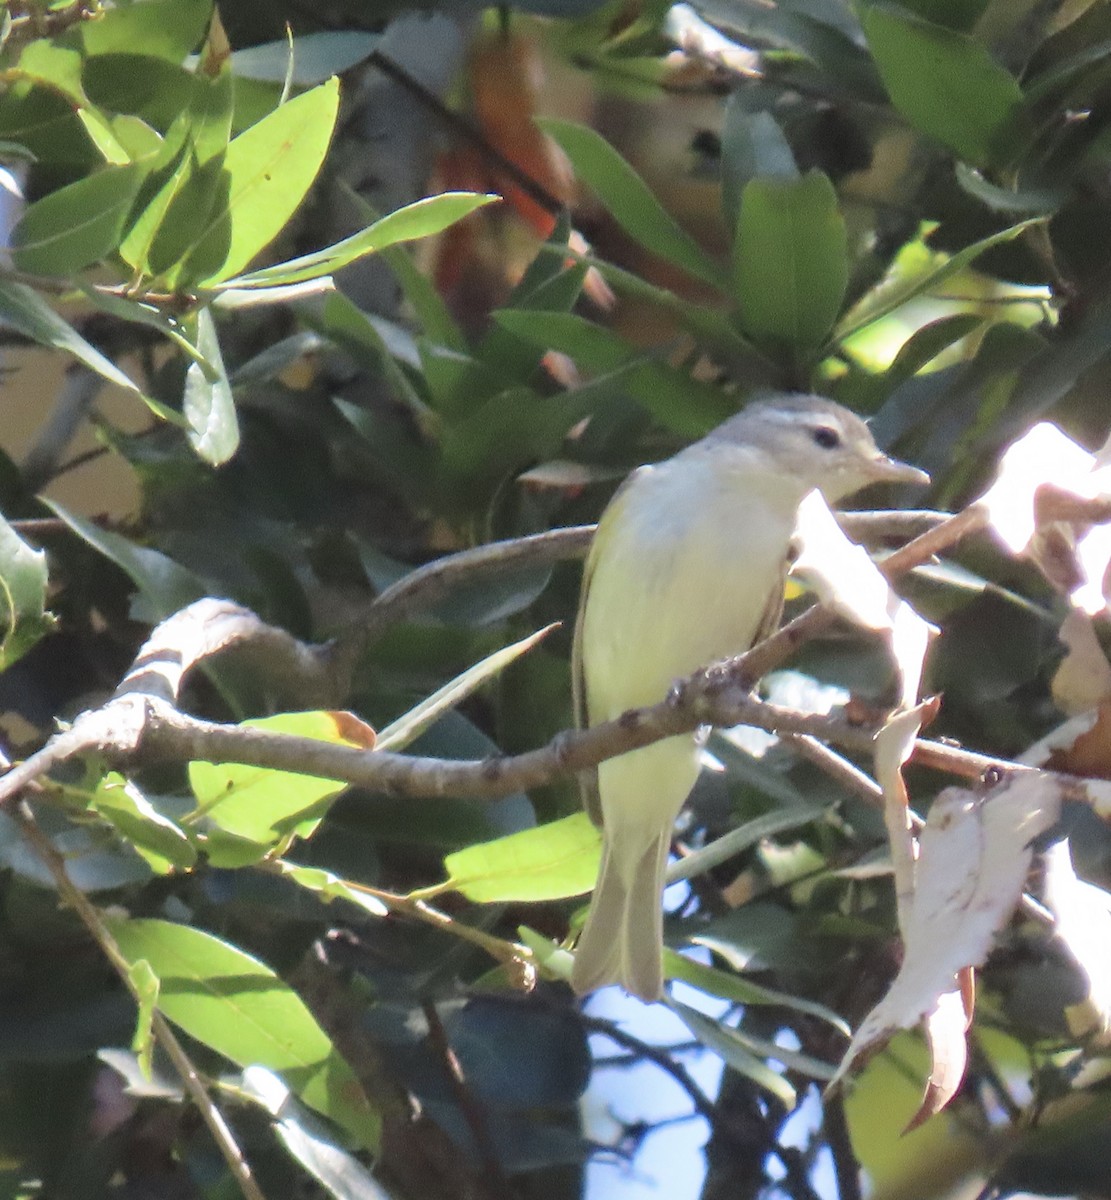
(688, 568)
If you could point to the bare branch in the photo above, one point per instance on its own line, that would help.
(141, 724)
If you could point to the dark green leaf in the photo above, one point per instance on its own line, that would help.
(165, 585)
(790, 263)
(26, 311)
(1010, 201)
(724, 1041)
(77, 225)
(752, 145)
(676, 400)
(309, 1142)
(892, 293)
(628, 199)
(948, 86)
(407, 728)
(954, 14)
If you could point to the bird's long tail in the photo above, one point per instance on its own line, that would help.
(622, 941)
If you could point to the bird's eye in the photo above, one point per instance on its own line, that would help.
(828, 439)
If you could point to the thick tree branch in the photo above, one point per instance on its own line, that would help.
(140, 724)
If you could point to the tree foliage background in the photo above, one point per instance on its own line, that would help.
(902, 205)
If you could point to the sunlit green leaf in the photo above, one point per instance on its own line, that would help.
(236, 1005)
(550, 862)
(162, 843)
(266, 172)
(144, 982)
(166, 29)
(23, 580)
(261, 805)
(207, 403)
(421, 219)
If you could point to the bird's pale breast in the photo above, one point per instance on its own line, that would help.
(687, 562)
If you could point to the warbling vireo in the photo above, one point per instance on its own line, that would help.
(688, 568)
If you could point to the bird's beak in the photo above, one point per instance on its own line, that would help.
(890, 470)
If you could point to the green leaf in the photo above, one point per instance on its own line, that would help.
(1011, 201)
(23, 309)
(142, 313)
(628, 200)
(424, 218)
(676, 400)
(723, 1040)
(77, 225)
(263, 806)
(150, 212)
(398, 734)
(891, 294)
(144, 985)
(328, 887)
(955, 14)
(316, 56)
(267, 170)
(207, 402)
(948, 86)
(23, 579)
(166, 29)
(734, 987)
(790, 262)
(431, 312)
(164, 584)
(143, 827)
(236, 1005)
(309, 1142)
(752, 146)
(550, 862)
(925, 344)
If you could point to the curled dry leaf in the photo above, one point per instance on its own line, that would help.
(1084, 677)
(974, 855)
(945, 1026)
(844, 576)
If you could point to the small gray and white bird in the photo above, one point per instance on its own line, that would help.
(688, 568)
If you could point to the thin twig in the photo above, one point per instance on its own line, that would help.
(102, 935)
(464, 130)
(846, 1169)
(473, 1112)
(836, 766)
(659, 1055)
